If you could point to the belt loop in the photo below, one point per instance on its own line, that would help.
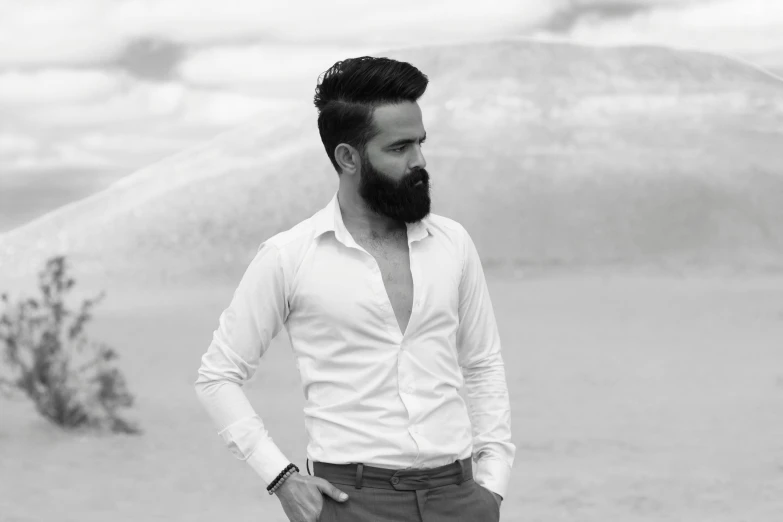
(359, 471)
(461, 472)
(308, 466)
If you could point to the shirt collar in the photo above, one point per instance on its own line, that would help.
(330, 218)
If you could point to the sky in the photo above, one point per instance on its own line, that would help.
(109, 86)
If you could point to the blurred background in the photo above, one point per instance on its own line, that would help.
(619, 164)
(91, 90)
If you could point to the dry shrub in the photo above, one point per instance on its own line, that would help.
(72, 381)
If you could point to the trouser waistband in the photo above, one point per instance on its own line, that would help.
(360, 475)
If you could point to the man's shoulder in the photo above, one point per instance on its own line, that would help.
(294, 237)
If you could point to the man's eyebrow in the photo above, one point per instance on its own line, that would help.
(406, 141)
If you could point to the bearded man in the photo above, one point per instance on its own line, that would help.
(389, 316)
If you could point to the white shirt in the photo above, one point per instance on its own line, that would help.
(372, 394)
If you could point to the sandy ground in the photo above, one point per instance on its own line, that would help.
(633, 399)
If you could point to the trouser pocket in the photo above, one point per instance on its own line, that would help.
(489, 501)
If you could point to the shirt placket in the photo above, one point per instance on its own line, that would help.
(405, 374)
(406, 377)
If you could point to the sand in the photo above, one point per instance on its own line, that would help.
(633, 399)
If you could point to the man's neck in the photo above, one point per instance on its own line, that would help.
(360, 219)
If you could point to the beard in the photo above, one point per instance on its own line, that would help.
(400, 200)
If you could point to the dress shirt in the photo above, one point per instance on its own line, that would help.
(373, 394)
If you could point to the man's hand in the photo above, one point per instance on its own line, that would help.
(302, 497)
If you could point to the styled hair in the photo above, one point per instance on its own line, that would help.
(349, 91)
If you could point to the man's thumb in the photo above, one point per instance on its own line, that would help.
(332, 491)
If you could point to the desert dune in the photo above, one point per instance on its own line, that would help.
(551, 155)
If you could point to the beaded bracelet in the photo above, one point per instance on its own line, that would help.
(287, 472)
(282, 481)
(280, 476)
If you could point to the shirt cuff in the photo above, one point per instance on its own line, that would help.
(249, 441)
(267, 461)
(493, 474)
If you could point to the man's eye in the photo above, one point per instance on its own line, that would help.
(399, 149)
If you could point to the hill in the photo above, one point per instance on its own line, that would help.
(552, 155)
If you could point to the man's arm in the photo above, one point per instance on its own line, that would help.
(256, 314)
(478, 346)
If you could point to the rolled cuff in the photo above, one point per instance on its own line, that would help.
(267, 461)
(248, 440)
(493, 474)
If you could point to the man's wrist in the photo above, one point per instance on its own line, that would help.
(281, 478)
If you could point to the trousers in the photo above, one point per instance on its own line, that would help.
(446, 493)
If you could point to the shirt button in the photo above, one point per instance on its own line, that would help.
(395, 480)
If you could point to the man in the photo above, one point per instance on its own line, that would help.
(388, 314)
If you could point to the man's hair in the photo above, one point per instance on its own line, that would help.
(350, 90)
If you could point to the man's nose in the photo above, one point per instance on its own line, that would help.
(418, 161)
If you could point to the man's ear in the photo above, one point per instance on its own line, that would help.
(347, 158)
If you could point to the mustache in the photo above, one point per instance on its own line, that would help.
(416, 176)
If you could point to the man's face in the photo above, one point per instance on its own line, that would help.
(393, 179)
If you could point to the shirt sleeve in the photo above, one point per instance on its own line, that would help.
(257, 312)
(478, 346)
